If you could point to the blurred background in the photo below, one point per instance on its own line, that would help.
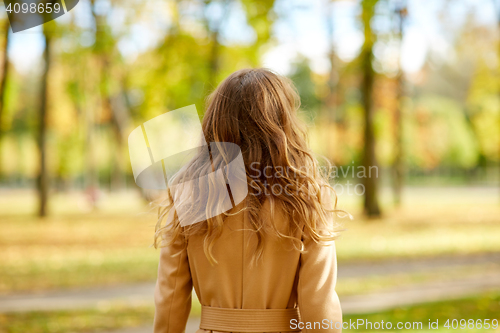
(410, 88)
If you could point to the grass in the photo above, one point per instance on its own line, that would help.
(402, 237)
(485, 306)
(78, 248)
(368, 284)
(71, 251)
(76, 321)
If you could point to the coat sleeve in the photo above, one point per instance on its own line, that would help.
(173, 290)
(317, 299)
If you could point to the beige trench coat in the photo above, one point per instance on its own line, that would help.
(284, 279)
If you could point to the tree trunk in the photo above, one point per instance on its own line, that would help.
(330, 102)
(498, 15)
(213, 62)
(3, 81)
(370, 181)
(109, 104)
(398, 166)
(42, 181)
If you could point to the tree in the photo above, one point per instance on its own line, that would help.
(214, 27)
(104, 49)
(330, 98)
(498, 22)
(398, 166)
(3, 79)
(370, 181)
(42, 180)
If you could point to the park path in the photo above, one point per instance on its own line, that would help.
(353, 304)
(138, 294)
(376, 302)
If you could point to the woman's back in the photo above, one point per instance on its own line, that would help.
(267, 265)
(283, 279)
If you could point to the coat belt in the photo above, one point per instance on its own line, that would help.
(247, 320)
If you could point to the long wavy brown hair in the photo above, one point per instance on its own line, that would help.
(257, 110)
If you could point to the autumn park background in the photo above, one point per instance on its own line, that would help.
(409, 86)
